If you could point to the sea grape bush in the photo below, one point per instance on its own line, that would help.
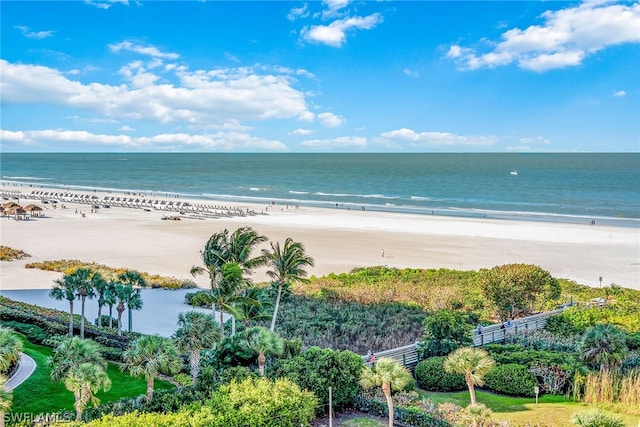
(511, 379)
(430, 375)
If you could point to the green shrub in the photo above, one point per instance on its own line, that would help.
(596, 418)
(430, 375)
(237, 373)
(511, 379)
(318, 369)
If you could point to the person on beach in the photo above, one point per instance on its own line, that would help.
(382, 253)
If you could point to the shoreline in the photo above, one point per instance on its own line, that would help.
(338, 239)
(477, 213)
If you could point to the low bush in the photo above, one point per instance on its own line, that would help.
(430, 375)
(10, 254)
(596, 418)
(511, 379)
(406, 416)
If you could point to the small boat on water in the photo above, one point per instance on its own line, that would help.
(514, 172)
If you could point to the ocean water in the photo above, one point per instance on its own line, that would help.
(577, 188)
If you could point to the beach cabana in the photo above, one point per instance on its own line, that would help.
(34, 210)
(18, 213)
(10, 205)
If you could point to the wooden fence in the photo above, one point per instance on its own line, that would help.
(409, 357)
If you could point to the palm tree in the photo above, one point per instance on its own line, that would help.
(148, 356)
(65, 289)
(6, 398)
(130, 298)
(197, 331)
(253, 305)
(83, 381)
(604, 345)
(132, 278)
(84, 279)
(388, 374)
(111, 298)
(286, 266)
(101, 289)
(473, 363)
(70, 353)
(263, 342)
(10, 349)
(224, 248)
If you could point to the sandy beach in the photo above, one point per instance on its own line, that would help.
(338, 239)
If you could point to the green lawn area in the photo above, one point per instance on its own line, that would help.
(551, 410)
(38, 394)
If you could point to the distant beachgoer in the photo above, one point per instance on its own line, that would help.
(382, 253)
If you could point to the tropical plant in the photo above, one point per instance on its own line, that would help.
(225, 295)
(128, 297)
(224, 248)
(478, 413)
(150, 355)
(430, 375)
(132, 278)
(388, 374)
(596, 418)
(604, 345)
(444, 331)
(517, 289)
(10, 348)
(83, 279)
(263, 342)
(6, 398)
(473, 363)
(70, 353)
(84, 381)
(65, 288)
(253, 306)
(197, 331)
(286, 266)
(110, 298)
(101, 290)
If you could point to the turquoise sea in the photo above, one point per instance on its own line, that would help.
(577, 188)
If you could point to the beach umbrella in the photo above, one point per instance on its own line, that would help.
(10, 205)
(34, 210)
(17, 211)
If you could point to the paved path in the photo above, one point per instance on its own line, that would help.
(26, 366)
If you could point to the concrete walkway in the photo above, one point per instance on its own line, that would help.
(26, 366)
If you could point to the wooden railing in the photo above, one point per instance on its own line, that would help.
(409, 357)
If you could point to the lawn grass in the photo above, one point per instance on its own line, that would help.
(551, 410)
(38, 394)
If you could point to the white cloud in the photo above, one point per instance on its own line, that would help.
(34, 34)
(437, 139)
(142, 50)
(333, 8)
(340, 143)
(220, 141)
(126, 128)
(300, 12)
(620, 93)
(334, 34)
(303, 132)
(330, 120)
(411, 73)
(535, 140)
(105, 4)
(566, 38)
(201, 97)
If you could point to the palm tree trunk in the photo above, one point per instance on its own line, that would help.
(150, 388)
(77, 395)
(99, 314)
(130, 320)
(120, 309)
(386, 389)
(221, 324)
(275, 309)
(82, 298)
(110, 316)
(261, 361)
(472, 392)
(195, 366)
(71, 318)
(233, 322)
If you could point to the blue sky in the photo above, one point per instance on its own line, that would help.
(320, 76)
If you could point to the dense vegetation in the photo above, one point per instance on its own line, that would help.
(10, 254)
(110, 273)
(298, 334)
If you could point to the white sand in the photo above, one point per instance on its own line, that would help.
(338, 240)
